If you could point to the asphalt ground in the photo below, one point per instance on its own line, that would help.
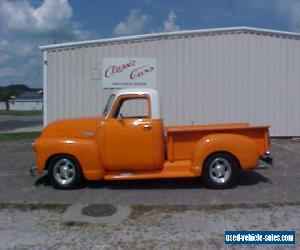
(11, 122)
(276, 185)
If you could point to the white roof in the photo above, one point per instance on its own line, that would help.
(174, 33)
(141, 91)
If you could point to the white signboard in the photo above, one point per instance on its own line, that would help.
(122, 72)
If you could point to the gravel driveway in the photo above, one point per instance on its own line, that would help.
(153, 227)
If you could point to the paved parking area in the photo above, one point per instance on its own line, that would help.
(11, 122)
(175, 214)
(279, 184)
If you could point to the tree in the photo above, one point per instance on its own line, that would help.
(4, 97)
(12, 90)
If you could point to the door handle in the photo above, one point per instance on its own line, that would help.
(147, 126)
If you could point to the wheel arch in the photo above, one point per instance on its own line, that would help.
(241, 147)
(85, 151)
(50, 158)
(222, 152)
(220, 178)
(65, 179)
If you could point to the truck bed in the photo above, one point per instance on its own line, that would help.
(181, 140)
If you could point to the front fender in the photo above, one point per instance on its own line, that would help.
(85, 151)
(242, 147)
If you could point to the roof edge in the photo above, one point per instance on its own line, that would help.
(165, 34)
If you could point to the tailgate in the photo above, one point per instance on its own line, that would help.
(260, 134)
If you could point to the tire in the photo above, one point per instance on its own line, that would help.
(220, 171)
(64, 172)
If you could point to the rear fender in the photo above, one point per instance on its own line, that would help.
(241, 147)
(84, 150)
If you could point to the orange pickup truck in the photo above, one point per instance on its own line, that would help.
(129, 141)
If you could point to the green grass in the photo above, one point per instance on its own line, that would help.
(76, 224)
(19, 136)
(34, 206)
(21, 112)
(140, 209)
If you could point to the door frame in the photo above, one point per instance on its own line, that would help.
(130, 96)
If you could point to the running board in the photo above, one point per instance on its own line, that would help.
(178, 169)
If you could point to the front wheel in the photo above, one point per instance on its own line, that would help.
(220, 170)
(64, 172)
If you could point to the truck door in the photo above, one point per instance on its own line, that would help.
(129, 135)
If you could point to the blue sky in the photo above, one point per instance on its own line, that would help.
(26, 24)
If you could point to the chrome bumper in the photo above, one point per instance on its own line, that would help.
(32, 170)
(266, 160)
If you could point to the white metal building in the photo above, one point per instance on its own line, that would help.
(2, 106)
(204, 76)
(27, 101)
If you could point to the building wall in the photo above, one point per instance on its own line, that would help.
(232, 77)
(2, 106)
(26, 105)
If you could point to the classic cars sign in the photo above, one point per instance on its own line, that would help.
(121, 72)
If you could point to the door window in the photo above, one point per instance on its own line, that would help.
(136, 107)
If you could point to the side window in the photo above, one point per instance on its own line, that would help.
(132, 108)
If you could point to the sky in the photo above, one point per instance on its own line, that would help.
(27, 24)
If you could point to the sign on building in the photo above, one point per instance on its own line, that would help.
(121, 72)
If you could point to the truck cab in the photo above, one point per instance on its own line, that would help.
(129, 141)
(134, 131)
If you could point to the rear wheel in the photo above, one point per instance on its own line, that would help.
(65, 172)
(220, 170)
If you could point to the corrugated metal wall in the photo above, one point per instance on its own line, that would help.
(201, 78)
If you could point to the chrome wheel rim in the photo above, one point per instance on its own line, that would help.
(220, 170)
(64, 171)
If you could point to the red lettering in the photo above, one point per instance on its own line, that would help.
(115, 69)
(139, 72)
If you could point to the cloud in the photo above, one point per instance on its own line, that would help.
(8, 72)
(51, 19)
(291, 11)
(4, 57)
(169, 24)
(18, 48)
(135, 22)
(28, 74)
(23, 27)
(31, 71)
(287, 12)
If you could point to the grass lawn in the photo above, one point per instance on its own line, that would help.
(19, 136)
(21, 112)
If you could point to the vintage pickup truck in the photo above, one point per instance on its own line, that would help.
(129, 141)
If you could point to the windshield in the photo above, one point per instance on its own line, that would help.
(108, 104)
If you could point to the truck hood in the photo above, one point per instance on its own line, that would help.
(78, 128)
